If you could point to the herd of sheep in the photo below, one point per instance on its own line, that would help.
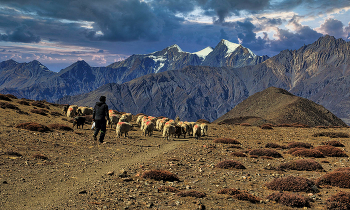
(147, 124)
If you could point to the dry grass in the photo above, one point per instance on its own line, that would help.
(299, 144)
(245, 124)
(160, 175)
(24, 102)
(56, 114)
(292, 183)
(40, 111)
(40, 156)
(301, 165)
(6, 105)
(238, 154)
(267, 126)
(40, 104)
(240, 195)
(192, 193)
(33, 127)
(203, 121)
(290, 199)
(265, 152)
(337, 178)
(274, 145)
(341, 200)
(12, 153)
(60, 127)
(303, 152)
(230, 164)
(11, 96)
(331, 151)
(4, 97)
(333, 143)
(226, 141)
(332, 134)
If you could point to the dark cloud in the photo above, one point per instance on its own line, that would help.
(332, 27)
(20, 34)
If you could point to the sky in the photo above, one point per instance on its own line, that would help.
(58, 33)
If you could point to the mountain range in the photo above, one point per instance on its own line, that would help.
(208, 83)
(34, 81)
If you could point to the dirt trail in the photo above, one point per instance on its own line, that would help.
(61, 192)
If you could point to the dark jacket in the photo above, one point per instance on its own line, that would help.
(100, 111)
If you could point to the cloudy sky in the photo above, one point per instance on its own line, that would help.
(59, 32)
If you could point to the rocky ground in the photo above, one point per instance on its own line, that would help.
(68, 170)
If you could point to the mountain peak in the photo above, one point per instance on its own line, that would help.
(203, 53)
(175, 46)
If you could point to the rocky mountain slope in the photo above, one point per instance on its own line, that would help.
(319, 72)
(278, 106)
(35, 81)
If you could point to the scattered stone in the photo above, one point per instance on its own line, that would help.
(83, 192)
(110, 173)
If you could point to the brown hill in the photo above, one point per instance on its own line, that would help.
(278, 106)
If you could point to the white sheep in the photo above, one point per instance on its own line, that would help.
(127, 117)
(204, 129)
(168, 130)
(148, 128)
(123, 127)
(139, 120)
(72, 111)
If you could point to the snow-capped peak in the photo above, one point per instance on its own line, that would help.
(231, 47)
(203, 53)
(176, 46)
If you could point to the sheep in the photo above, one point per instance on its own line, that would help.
(190, 128)
(168, 130)
(113, 120)
(126, 118)
(178, 131)
(161, 125)
(139, 120)
(184, 128)
(123, 127)
(204, 129)
(197, 131)
(148, 128)
(72, 110)
(86, 110)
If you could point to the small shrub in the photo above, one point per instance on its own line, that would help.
(245, 124)
(191, 193)
(303, 152)
(40, 156)
(238, 154)
(39, 111)
(56, 114)
(60, 127)
(13, 153)
(40, 104)
(333, 143)
(240, 195)
(168, 189)
(335, 178)
(266, 126)
(332, 134)
(6, 105)
(341, 200)
(301, 165)
(160, 175)
(284, 125)
(11, 96)
(299, 125)
(331, 151)
(292, 183)
(230, 164)
(23, 102)
(226, 141)
(33, 127)
(299, 144)
(290, 199)
(265, 152)
(4, 97)
(274, 145)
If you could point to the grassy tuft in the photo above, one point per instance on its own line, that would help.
(160, 175)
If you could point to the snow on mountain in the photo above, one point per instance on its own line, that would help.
(231, 47)
(203, 53)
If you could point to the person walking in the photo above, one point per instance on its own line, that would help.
(100, 117)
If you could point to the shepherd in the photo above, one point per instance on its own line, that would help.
(100, 117)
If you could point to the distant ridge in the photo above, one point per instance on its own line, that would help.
(278, 106)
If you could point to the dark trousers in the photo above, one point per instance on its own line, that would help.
(100, 125)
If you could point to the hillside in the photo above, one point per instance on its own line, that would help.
(66, 169)
(278, 106)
